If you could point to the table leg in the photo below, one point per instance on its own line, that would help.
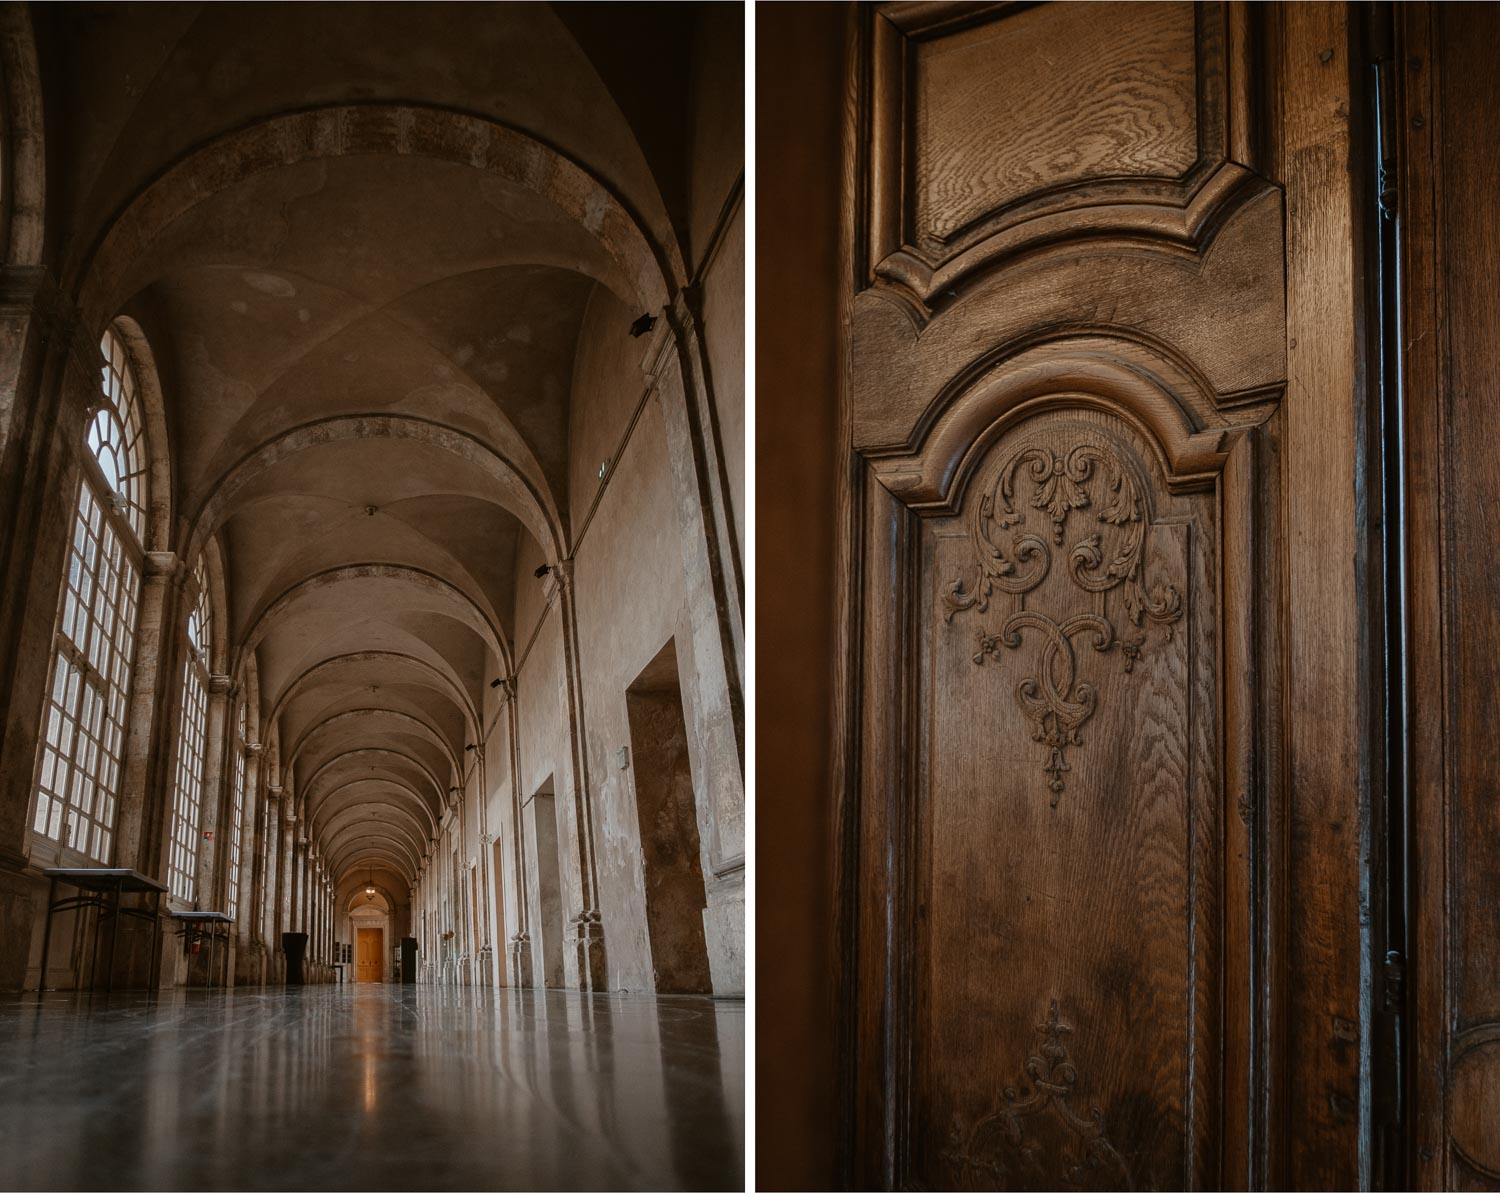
(98, 906)
(41, 979)
(153, 976)
(114, 935)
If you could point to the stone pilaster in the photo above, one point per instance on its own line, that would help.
(211, 842)
(585, 951)
(245, 928)
(145, 781)
(284, 875)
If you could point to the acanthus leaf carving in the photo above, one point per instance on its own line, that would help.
(1014, 560)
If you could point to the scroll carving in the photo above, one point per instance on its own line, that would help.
(1013, 559)
(1002, 1148)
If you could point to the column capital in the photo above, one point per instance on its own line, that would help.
(163, 563)
(218, 685)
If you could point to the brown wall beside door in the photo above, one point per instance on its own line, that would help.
(800, 54)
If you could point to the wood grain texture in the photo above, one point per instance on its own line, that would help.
(1105, 924)
(995, 130)
(1323, 1009)
(903, 371)
(1086, 890)
(1451, 110)
(1046, 98)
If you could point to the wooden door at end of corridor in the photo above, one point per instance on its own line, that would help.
(369, 955)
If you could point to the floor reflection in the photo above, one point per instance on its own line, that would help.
(371, 1087)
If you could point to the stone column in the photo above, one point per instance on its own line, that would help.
(266, 879)
(487, 952)
(284, 874)
(520, 942)
(315, 902)
(297, 911)
(211, 841)
(585, 944)
(245, 928)
(317, 906)
(148, 754)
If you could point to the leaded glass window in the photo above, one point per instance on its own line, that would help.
(187, 801)
(81, 753)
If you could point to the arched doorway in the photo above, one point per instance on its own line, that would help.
(370, 922)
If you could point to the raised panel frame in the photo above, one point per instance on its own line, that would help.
(1183, 210)
(888, 798)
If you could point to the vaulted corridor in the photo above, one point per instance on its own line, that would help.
(371, 539)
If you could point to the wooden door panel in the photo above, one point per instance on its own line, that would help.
(1072, 799)
(1067, 348)
(370, 945)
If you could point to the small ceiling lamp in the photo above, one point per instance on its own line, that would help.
(370, 886)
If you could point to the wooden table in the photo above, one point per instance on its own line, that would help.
(207, 925)
(101, 888)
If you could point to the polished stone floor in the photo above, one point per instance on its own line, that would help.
(371, 1087)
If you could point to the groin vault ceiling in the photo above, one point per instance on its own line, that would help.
(363, 253)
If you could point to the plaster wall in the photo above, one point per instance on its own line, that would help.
(632, 545)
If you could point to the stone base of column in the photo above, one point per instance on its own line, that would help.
(724, 932)
(520, 960)
(586, 937)
(19, 905)
(485, 967)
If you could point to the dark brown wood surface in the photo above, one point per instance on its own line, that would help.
(1160, 966)
(1451, 193)
(798, 134)
(1101, 801)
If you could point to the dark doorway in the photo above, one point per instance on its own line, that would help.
(669, 828)
(549, 884)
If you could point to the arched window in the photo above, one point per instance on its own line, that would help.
(115, 437)
(182, 866)
(241, 746)
(80, 758)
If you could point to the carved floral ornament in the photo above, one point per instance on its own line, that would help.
(1003, 1148)
(1013, 558)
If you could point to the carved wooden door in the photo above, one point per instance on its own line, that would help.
(1068, 343)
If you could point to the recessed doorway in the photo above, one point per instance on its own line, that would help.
(549, 884)
(668, 814)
